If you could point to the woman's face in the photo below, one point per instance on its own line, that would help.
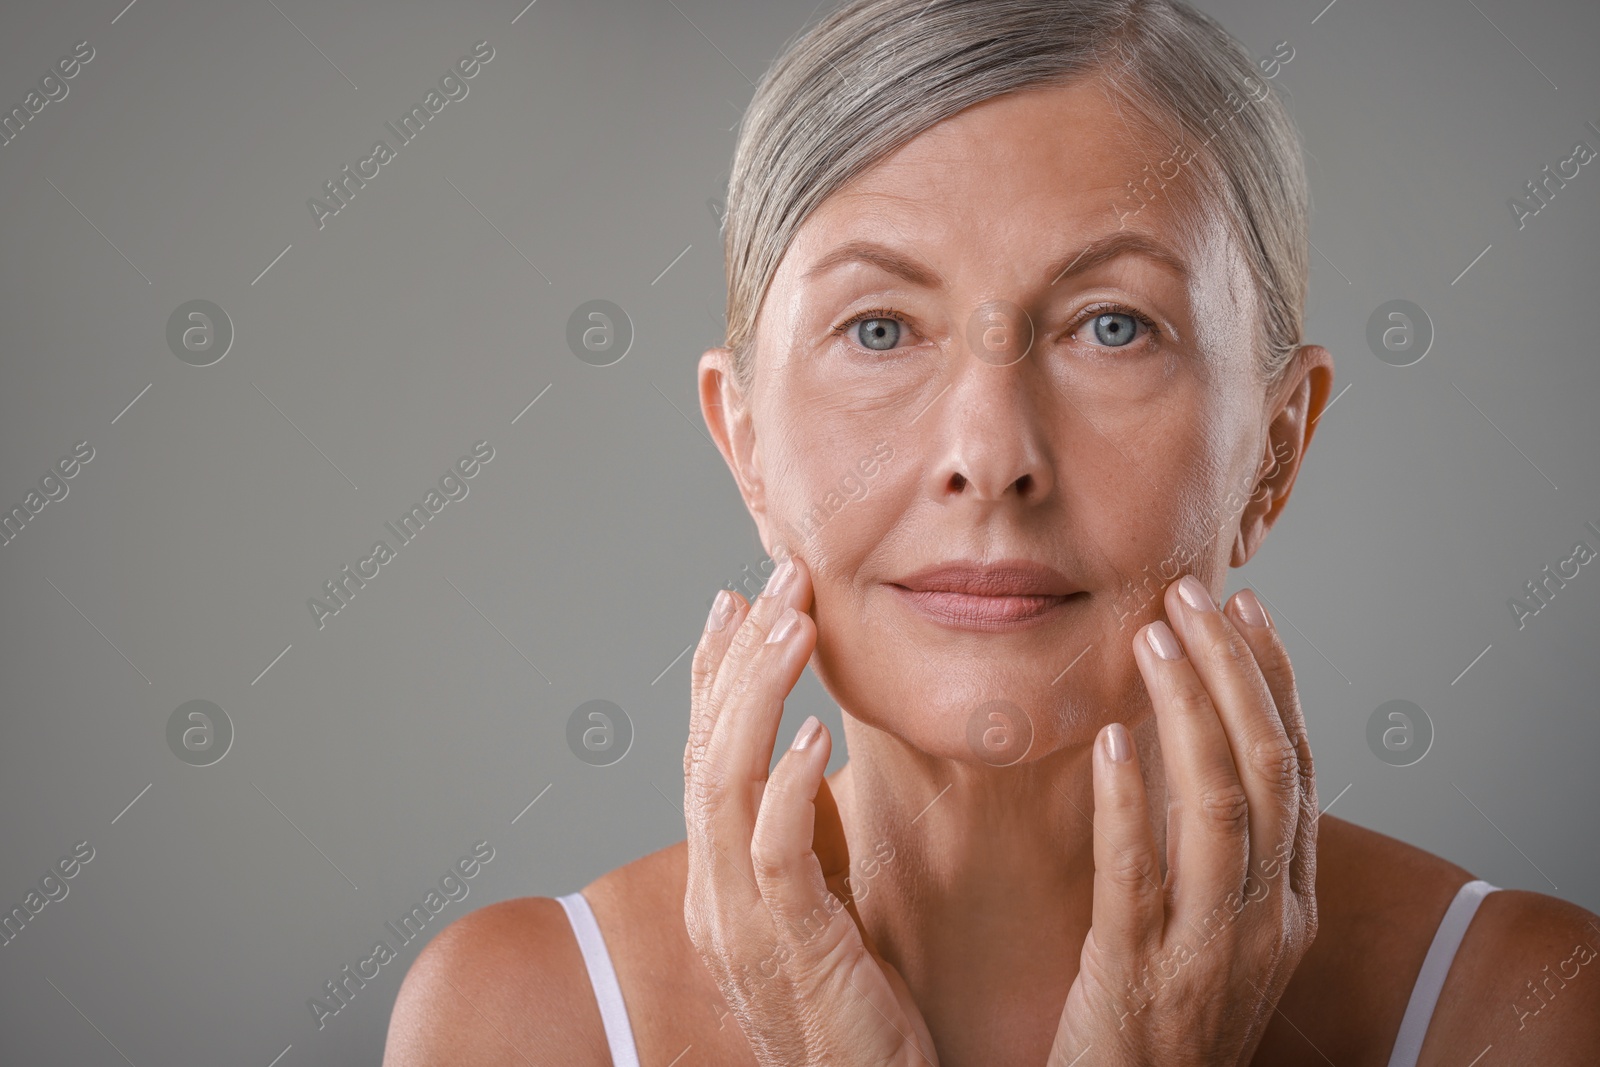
(900, 420)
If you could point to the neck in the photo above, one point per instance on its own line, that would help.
(970, 877)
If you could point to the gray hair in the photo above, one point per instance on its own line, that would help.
(873, 74)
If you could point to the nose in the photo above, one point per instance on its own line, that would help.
(990, 433)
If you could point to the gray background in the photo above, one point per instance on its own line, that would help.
(432, 310)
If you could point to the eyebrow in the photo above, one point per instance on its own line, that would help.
(881, 256)
(1098, 251)
(1120, 243)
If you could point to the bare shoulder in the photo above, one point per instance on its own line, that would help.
(673, 1002)
(507, 984)
(504, 984)
(1525, 982)
(1380, 902)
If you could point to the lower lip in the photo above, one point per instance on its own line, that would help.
(990, 614)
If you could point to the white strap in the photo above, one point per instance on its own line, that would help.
(603, 979)
(1435, 966)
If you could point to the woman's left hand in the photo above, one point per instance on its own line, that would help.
(1190, 972)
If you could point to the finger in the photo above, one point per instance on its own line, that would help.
(722, 651)
(783, 856)
(758, 673)
(1256, 627)
(853, 1007)
(790, 585)
(727, 614)
(1207, 811)
(1263, 756)
(1128, 907)
(729, 779)
(823, 941)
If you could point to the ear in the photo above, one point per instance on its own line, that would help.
(727, 413)
(1295, 405)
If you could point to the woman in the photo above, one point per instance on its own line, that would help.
(1026, 379)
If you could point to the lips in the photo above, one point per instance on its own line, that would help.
(1003, 595)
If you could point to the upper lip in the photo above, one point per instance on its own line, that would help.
(1005, 577)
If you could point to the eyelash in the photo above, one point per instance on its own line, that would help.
(1105, 307)
(872, 313)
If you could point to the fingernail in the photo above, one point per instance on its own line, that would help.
(808, 732)
(780, 578)
(1250, 609)
(787, 623)
(721, 609)
(1118, 745)
(1162, 640)
(1194, 594)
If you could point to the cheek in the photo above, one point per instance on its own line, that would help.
(1158, 511)
(836, 500)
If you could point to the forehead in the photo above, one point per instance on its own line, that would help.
(1073, 132)
(1010, 183)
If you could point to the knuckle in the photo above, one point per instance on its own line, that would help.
(696, 747)
(705, 786)
(697, 922)
(1310, 804)
(718, 682)
(1228, 648)
(688, 762)
(746, 641)
(1275, 762)
(693, 911)
(1306, 782)
(1226, 807)
(767, 860)
(1133, 869)
(1304, 760)
(708, 933)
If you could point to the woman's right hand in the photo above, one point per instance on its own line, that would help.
(766, 903)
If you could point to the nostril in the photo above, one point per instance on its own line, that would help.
(958, 482)
(1024, 484)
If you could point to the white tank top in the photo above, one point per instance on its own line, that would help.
(1407, 1043)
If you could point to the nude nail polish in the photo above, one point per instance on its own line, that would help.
(1161, 638)
(1194, 594)
(1118, 745)
(780, 578)
(808, 733)
(788, 622)
(1250, 608)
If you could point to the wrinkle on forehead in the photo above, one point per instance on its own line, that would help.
(1096, 176)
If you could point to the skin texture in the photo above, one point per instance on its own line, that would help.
(1100, 462)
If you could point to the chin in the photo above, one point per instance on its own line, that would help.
(972, 709)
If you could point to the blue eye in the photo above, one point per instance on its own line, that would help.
(1115, 329)
(880, 335)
